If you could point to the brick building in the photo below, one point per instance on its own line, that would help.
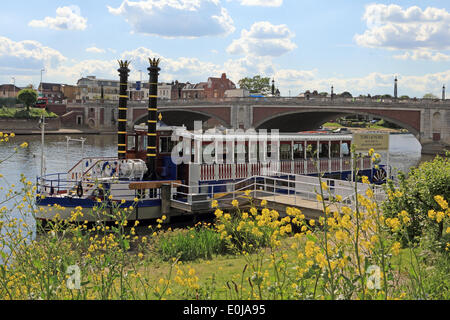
(194, 91)
(52, 91)
(216, 87)
(8, 91)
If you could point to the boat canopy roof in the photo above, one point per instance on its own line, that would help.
(249, 135)
(254, 137)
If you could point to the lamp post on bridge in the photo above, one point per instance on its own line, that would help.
(395, 87)
(14, 86)
(41, 90)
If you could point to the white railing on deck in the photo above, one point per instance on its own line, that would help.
(294, 187)
(215, 172)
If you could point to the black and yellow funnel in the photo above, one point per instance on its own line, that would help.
(123, 101)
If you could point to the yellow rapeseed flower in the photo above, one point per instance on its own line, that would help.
(396, 248)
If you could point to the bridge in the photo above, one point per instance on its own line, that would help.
(427, 120)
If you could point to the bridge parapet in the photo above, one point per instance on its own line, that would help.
(282, 101)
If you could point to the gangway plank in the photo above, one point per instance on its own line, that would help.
(280, 192)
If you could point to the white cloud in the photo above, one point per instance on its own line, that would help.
(70, 73)
(67, 18)
(176, 18)
(262, 3)
(263, 39)
(95, 50)
(423, 54)
(299, 81)
(182, 68)
(24, 59)
(392, 27)
(28, 55)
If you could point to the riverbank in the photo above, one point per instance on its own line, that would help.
(334, 126)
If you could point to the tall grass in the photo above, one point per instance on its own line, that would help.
(189, 245)
(22, 113)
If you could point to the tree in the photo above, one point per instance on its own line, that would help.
(416, 194)
(28, 97)
(257, 84)
(430, 96)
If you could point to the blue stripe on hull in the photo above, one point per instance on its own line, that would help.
(88, 203)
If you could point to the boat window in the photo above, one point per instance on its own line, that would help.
(313, 150)
(285, 152)
(298, 151)
(131, 143)
(323, 151)
(153, 193)
(253, 156)
(166, 144)
(345, 149)
(144, 143)
(335, 150)
(240, 152)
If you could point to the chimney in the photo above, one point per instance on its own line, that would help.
(123, 100)
(152, 118)
(273, 87)
(443, 92)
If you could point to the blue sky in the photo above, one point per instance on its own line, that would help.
(356, 46)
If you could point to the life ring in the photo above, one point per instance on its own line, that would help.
(107, 169)
(80, 190)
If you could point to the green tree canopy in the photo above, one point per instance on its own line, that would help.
(28, 97)
(257, 84)
(430, 96)
(416, 194)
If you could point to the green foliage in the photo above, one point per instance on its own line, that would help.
(257, 84)
(19, 113)
(28, 97)
(430, 96)
(415, 194)
(189, 245)
(9, 102)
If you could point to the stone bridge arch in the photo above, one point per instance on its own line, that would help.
(305, 120)
(187, 117)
